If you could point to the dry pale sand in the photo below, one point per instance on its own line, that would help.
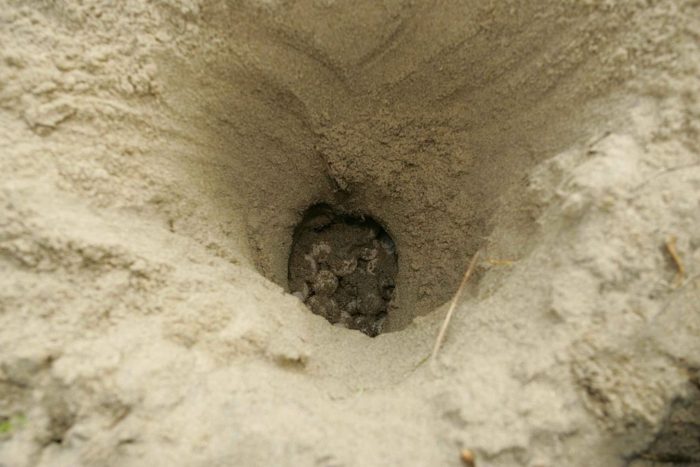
(155, 157)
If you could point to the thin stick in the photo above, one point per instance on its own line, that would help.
(673, 251)
(453, 305)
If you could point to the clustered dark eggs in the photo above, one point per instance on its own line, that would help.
(343, 268)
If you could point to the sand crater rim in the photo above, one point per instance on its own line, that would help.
(438, 148)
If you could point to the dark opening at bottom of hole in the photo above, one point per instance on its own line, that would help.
(343, 267)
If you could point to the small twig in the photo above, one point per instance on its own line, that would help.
(453, 305)
(663, 172)
(673, 252)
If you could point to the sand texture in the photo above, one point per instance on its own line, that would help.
(157, 155)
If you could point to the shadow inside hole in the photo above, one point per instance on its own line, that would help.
(343, 267)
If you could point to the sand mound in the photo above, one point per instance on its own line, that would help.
(157, 157)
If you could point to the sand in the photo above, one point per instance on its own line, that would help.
(156, 156)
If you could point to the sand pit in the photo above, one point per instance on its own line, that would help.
(159, 157)
(343, 267)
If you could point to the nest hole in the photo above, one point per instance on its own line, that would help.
(436, 139)
(343, 267)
